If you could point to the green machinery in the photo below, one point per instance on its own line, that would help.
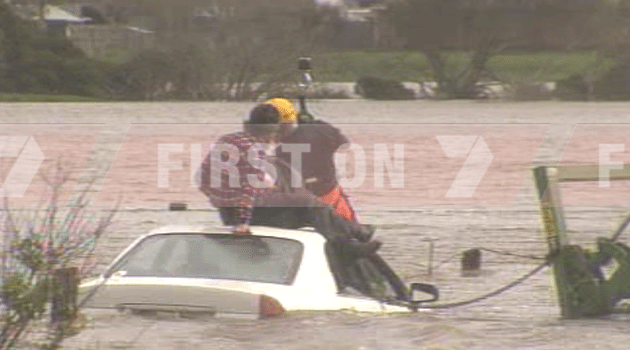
(583, 290)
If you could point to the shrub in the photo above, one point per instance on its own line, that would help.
(148, 75)
(382, 89)
(46, 73)
(614, 85)
(573, 88)
(182, 74)
(37, 62)
(38, 244)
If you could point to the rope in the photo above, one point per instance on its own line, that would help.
(533, 257)
(621, 228)
(486, 296)
(548, 259)
(452, 256)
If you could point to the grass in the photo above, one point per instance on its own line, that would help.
(15, 97)
(115, 56)
(350, 66)
(548, 66)
(413, 66)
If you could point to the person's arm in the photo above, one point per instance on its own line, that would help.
(244, 212)
(240, 196)
(247, 192)
(245, 206)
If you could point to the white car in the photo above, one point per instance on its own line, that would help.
(203, 270)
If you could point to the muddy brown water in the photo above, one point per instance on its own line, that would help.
(501, 216)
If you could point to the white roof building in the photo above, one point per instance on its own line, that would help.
(56, 14)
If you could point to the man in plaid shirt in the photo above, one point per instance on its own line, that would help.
(233, 179)
(239, 194)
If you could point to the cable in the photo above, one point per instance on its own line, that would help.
(533, 257)
(621, 228)
(449, 258)
(446, 260)
(488, 295)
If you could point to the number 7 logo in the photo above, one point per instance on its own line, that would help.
(29, 158)
(478, 159)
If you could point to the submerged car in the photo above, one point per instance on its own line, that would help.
(212, 271)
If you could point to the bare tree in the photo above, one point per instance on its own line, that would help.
(37, 243)
(261, 44)
(478, 26)
(483, 27)
(612, 19)
(235, 44)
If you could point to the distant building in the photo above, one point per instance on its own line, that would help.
(57, 19)
(91, 36)
(366, 27)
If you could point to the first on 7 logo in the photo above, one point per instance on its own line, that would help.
(473, 148)
(478, 159)
(29, 158)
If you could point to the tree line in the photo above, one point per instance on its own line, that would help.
(485, 27)
(251, 50)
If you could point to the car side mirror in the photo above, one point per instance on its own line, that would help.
(424, 288)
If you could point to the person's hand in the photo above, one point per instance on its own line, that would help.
(241, 229)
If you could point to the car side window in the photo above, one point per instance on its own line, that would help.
(154, 256)
(177, 258)
(214, 256)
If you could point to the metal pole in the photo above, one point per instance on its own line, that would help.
(304, 65)
(430, 264)
(555, 235)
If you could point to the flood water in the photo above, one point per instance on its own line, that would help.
(501, 215)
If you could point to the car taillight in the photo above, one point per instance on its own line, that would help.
(269, 307)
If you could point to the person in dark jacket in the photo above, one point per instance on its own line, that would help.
(232, 177)
(317, 166)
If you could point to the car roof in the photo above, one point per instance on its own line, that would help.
(302, 235)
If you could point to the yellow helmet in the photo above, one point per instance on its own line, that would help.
(285, 108)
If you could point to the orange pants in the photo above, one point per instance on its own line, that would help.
(340, 202)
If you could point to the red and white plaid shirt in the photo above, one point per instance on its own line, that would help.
(242, 194)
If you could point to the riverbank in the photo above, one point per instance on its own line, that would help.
(428, 90)
(15, 97)
(328, 90)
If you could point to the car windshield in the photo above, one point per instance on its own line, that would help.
(364, 276)
(214, 256)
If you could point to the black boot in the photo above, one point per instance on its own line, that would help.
(364, 233)
(362, 249)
